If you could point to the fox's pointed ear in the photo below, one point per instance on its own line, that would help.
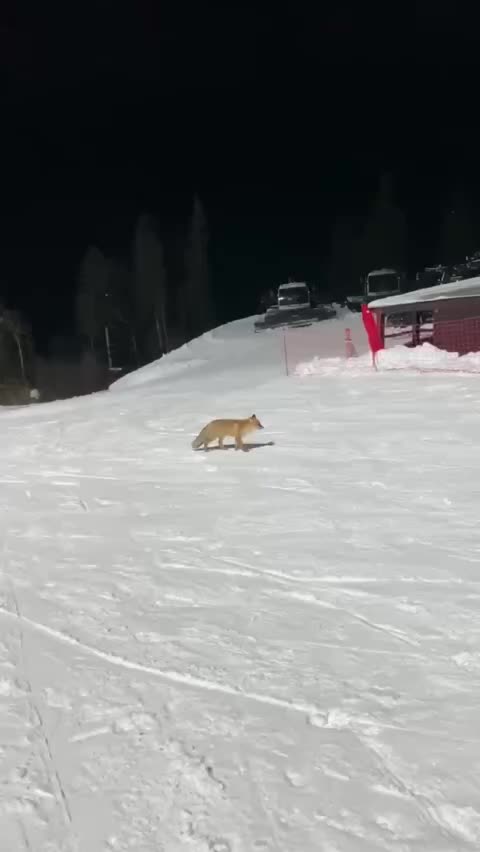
(253, 415)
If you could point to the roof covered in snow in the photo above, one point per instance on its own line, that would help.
(452, 290)
(383, 271)
(291, 284)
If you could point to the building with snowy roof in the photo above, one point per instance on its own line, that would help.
(446, 315)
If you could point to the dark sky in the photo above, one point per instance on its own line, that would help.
(280, 120)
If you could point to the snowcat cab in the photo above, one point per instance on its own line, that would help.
(381, 283)
(378, 284)
(293, 295)
(295, 307)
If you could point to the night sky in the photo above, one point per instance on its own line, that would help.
(281, 121)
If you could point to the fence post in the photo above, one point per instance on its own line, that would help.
(285, 350)
(108, 348)
(350, 351)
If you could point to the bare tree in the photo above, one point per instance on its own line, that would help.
(345, 266)
(384, 240)
(120, 313)
(91, 302)
(458, 237)
(150, 287)
(196, 308)
(15, 325)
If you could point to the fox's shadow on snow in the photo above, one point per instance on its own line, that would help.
(246, 449)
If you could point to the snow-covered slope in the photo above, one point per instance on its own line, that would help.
(242, 652)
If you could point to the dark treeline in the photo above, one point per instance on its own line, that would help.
(133, 308)
(129, 309)
(134, 304)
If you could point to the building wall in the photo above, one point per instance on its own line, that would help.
(455, 309)
(456, 326)
(456, 323)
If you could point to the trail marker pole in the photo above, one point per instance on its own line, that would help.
(350, 351)
(285, 350)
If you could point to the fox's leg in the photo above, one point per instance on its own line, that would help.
(220, 444)
(239, 445)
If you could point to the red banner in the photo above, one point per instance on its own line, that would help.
(374, 337)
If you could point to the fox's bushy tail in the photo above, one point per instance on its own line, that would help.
(198, 441)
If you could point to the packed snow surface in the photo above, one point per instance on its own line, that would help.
(242, 652)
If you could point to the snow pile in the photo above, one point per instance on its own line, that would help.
(426, 358)
(229, 354)
(334, 366)
(236, 652)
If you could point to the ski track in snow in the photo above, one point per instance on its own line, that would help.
(242, 652)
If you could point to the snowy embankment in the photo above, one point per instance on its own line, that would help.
(425, 359)
(272, 650)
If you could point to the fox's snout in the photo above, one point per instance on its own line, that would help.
(256, 421)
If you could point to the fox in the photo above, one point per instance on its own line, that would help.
(220, 429)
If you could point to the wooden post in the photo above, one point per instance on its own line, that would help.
(107, 344)
(285, 350)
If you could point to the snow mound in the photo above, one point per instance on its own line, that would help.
(214, 349)
(334, 366)
(235, 350)
(425, 358)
